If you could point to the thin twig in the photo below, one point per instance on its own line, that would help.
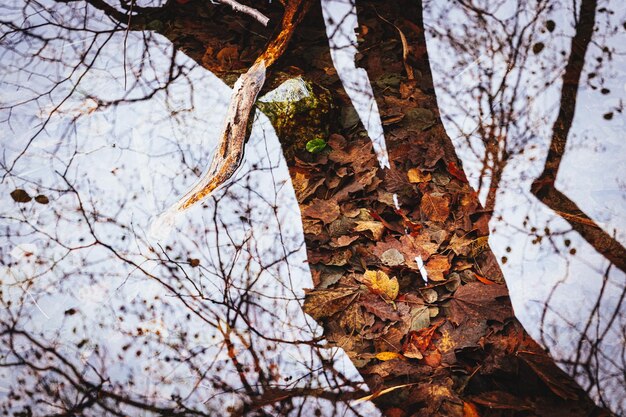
(250, 11)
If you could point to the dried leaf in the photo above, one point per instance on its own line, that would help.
(435, 206)
(387, 356)
(501, 400)
(325, 303)
(470, 410)
(478, 302)
(379, 393)
(417, 343)
(311, 226)
(20, 196)
(456, 172)
(392, 257)
(437, 266)
(379, 307)
(416, 176)
(353, 318)
(42, 199)
(380, 283)
(545, 368)
(420, 318)
(324, 210)
(342, 241)
(460, 245)
(375, 228)
(336, 257)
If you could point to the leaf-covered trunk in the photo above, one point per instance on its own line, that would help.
(452, 342)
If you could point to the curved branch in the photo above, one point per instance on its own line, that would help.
(234, 133)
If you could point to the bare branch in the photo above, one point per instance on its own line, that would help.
(544, 186)
(238, 7)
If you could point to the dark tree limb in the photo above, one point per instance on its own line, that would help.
(544, 186)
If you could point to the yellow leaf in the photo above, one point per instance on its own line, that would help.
(380, 283)
(376, 228)
(415, 176)
(387, 356)
(381, 392)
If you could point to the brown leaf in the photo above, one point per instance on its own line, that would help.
(437, 266)
(390, 341)
(501, 400)
(325, 303)
(353, 318)
(420, 317)
(379, 307)
(419, 341)
(392, 257)
(456, 172)
(324, 210)
(432, 358)
(42, 199)
(395, 368)
(335, 257)
(303, 185)
(20, 196)
(311, 226)
(342, 241)
(409, 246)
(375, 228)
(396, 181)
(358, 156)
(545, 368)
(478, 302)
(227, 57)
(460, 245)
(435, 206)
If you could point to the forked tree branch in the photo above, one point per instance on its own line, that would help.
(544, 186)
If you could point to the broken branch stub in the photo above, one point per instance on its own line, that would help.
(229, 154)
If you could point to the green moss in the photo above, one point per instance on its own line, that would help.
(300, 112)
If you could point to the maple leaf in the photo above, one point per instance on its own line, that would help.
(477, 302)
(418, 342)
(380, 283)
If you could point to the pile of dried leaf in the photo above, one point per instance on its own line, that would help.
(451, 344)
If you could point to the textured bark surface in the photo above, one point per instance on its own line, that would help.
(455, 340)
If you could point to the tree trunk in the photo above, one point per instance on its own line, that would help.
(452, 344)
